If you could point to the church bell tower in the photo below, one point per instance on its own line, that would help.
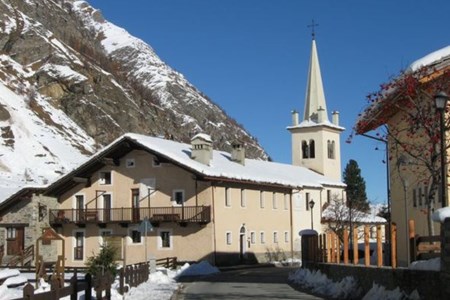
(316, 140)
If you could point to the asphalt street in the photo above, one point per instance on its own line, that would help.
(266, 282)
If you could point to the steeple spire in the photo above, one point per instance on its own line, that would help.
(315, 104)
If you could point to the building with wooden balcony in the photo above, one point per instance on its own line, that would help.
(200, 203)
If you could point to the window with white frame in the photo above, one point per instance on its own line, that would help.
(274, 200)
(105, 178)
(286, 236)
(103, 235)
(307, 197)
(228, 238)
(10, 233)
(243, 199)
(262, 237)
(177, 197)
(78, 249)
(286, 201)
(136, 237)
(252, 237)
(156, 163)
(227, 197)
(275, 237)
(261, 199)
(165, 239)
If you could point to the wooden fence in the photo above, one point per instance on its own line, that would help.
(133, 275)
(168, 262)
(333, 249)
(423, 247)
(58, 290)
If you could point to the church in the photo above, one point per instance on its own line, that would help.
(152, 197)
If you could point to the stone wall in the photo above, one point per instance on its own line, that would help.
(427, 283)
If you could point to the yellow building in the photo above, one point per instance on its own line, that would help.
(201, 203)
(406, 110)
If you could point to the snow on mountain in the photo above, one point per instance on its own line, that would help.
(70, 82)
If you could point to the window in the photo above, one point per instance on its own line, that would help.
(261, 199)
(165, 239)
(105, 177)
(275, 237)
(328, 196)
(11, 233)
(262, 237)
(312, 151)
(156, 163)
(228, 237)
(78, 252)
(286, 237)
(274, 201)
(104, 234)
(252, 237)
(307, 200)
(305, 149)
(130, 163)
(286, 201)
(243, 200)
(414, 197)
(178, 197)
(330, 147)
(420, 196)
(136, 237)
(227, 197)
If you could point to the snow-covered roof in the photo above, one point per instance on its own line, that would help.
(334, 211)
(429, 59)
(203, 136)
(309, 123)
(221, 166)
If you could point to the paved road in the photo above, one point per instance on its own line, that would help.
(244, 283)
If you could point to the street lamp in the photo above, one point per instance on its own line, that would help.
(441, 99)
(311, 206)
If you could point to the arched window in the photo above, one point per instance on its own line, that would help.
(312, 149)
(330, 149)
(305, 149)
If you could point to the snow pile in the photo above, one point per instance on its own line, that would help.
(319, 283)
(202, 268)
(433, 264)
(379, 292)
(441, 214)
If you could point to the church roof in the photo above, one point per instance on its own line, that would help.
(315, 103)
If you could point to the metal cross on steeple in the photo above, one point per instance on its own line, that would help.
(313, 24)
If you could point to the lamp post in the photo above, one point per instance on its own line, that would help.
(311, 206)
(440, 100)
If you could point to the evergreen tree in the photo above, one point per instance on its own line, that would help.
(356, 187)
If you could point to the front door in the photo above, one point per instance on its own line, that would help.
(135, 205)
(15, 240)
(242, 244)
(79, 202)
(106, 208)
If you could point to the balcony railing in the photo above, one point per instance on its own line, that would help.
(186, 214)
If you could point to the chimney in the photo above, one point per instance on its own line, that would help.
(202, 148)
(238, 152)
(294, 118)
(335, 118)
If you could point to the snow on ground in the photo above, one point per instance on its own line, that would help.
(433, 264)
(159, 286)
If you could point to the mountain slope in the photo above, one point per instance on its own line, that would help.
(71, 82)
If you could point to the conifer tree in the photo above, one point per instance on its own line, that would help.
(356, 187)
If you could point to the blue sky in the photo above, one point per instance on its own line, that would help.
(251, 57)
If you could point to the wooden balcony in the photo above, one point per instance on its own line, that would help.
(128, 215)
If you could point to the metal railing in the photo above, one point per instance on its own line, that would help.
(182, 214)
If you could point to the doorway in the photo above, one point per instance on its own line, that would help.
(135, 205)
(242, 244)
(15, 240)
